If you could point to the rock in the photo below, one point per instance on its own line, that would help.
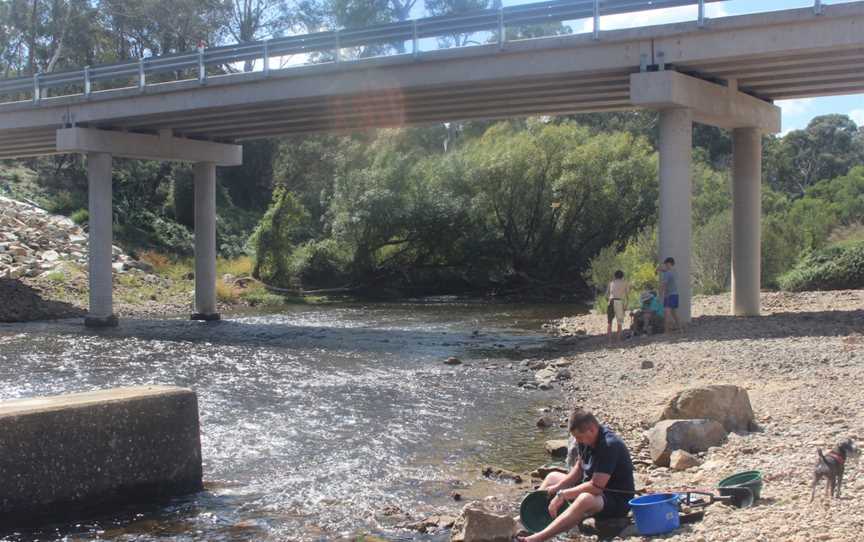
(727, 404)
(550, 375)
(431, 524)
(50, 256)
(682, 460)
(118, 267)
(545, 421)
(556, 448)
(647, 364)
(543, 472)
(688, 435)
(476, 524)
(546, 386)
(452, 361)
(501, 474)
(142, 266)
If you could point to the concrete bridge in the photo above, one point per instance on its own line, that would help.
(724, 72)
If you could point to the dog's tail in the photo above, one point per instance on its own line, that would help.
(821, 455)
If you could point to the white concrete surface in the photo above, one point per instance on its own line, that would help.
(746, 221)
(205, 239)
(147, 147)
(676, 143)
(100, 234)
(713, 104)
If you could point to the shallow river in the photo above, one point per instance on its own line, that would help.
(312, 419)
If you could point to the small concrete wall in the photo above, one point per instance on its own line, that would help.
(70, 453)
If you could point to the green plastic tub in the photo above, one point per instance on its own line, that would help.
(534, 511)
(751, 479)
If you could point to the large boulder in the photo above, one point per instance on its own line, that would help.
(557, 447)
(682, 460)
(478, 524)
(689, 435)
(727, 404)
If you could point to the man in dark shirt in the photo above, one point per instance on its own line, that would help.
(600, 481)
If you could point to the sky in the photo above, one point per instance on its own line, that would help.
(796, 113)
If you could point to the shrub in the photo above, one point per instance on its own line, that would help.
(638, 260)
(239, 267)
(257, 295)
(321, 263)
(836, 267)
(226, 293)
(712, 254)
(274, 238)
(80, 217)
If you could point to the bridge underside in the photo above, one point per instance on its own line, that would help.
(772, 56)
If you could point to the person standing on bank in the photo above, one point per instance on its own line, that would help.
(669, 293)
(600, 482)
(617, 293)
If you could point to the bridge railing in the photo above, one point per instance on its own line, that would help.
(328, 45)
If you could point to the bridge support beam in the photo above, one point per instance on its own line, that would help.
(682, 100)
(746, 220)
(205, 242)
(676, 140)
(101, 313)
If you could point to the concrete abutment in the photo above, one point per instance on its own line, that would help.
(71, 454)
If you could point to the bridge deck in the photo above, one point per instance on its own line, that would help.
(780, 55)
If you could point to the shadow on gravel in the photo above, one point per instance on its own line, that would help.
(22, 303)
(839, 323)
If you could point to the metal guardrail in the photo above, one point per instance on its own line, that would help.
(332, 43)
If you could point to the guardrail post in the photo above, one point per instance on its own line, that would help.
(142, 78)
(818, 8)
(502, 36)
(37, 92)
(596, 19)
(266, 67)
(701, 20)
(87, 81)
(337, 51)
(202, 70)
(415, 40)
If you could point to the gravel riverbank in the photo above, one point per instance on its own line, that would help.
(802, 363)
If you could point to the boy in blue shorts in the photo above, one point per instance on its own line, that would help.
(669, 293)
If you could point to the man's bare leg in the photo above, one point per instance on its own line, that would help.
(584, 506)
(552, 478)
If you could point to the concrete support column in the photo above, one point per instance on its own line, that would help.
(676, 141)
(205, 242)
(746, 221)
(101, 313)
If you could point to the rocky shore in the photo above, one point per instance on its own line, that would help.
(43, 273)
(802, 364)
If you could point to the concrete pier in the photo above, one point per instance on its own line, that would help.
(746, 220)
(101, 313)
(676, 137)
(73, 454)
(205, 242)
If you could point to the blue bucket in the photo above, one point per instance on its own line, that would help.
(656, 514)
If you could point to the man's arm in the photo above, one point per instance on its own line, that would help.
(594, 486)
(570, 480)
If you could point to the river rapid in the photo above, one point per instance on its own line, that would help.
(313, 419)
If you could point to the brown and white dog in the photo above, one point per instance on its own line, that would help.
(831, 466)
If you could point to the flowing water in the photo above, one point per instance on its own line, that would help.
(313, 419)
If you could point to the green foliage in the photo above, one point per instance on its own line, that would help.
(275, 237)
(712, 254)
(835, 267)
(325, 263)
(638, 260)
(80, 217)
